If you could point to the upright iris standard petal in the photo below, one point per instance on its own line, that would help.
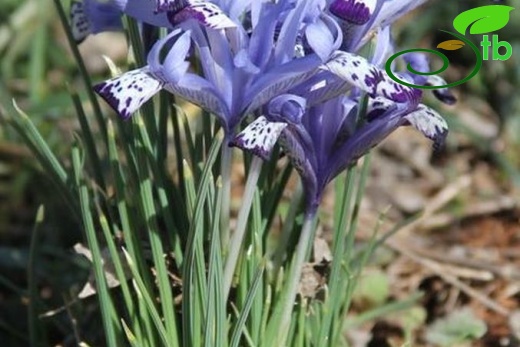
(259, 137)
(126, 93)
(287, 108)
(174, 66)
(320, 39)
(358, 72)
(385, 13)
(92, 17)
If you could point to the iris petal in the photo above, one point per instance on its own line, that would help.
(205, 12)
(126, 93)
(92, 17)
(357, 71)
(443, 94)
(354, 11)
(259, 137)
(430, 123)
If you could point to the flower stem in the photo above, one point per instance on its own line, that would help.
(226, 163)
(243, 214)
(295, 275)
(283, 242)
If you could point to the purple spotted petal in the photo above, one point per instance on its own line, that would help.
(443, 94)
(360, 73)
(169, 5)
(79, 22)
(205, 12)
(259, 137)
(353, 11)
(126, 93)
(92, 17)
(377, 107)
(430, 123)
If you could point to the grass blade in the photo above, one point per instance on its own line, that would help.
(106, 305)
(35, 332)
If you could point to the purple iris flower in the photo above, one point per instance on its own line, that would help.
(247, 55)
(323, 140)
(317, 122)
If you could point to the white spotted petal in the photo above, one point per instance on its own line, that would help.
(378, 106)
(443, 94)
(430, 123)
(259, 137)
(126, 93)
(358, 72)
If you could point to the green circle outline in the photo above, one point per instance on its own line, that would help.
(476, 69)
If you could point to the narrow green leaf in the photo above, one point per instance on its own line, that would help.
(193, 266)
(115, 256)
(106, 305)
(147, 302)
(36, 335)
(150, 216)
(215, 318)
(239, 326)
(88, 139)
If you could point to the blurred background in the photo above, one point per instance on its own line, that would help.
(462, 253)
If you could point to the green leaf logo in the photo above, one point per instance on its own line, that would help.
(483, 19)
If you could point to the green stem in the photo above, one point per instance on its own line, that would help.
(226, 163)
(283, 242)
(295, 275)
(243, 214)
